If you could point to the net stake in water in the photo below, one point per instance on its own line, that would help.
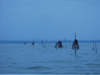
(75, 45)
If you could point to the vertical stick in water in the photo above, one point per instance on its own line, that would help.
(93, 46)
(75, 35)
(75, 51)
(42, 42)
(75, 38)
(66, 46)
(75, 45)
(96, 50)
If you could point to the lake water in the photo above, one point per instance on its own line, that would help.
(19, 58)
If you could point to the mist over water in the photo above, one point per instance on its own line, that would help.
(20, 58)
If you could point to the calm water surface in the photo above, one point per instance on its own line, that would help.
(19, 58)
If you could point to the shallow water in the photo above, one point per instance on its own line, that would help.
(19, 58)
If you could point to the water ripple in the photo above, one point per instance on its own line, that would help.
(92, 64)
(38, 67)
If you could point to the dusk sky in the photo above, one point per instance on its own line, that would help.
(49, 19)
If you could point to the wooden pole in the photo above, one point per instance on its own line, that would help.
(93, 46)
(75, 38)
(75, 51)
(75, 35)
(42, 42)
(96, 47)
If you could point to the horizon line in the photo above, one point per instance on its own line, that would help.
(45, 41)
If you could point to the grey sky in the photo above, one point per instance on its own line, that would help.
(49, 19)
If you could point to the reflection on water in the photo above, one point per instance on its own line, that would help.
(19, 58)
